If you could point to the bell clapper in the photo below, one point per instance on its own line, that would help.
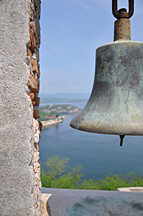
(121, 140)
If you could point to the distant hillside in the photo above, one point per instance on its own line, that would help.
(59, 108)
(67, 95)
(63, 98)
(54, 111)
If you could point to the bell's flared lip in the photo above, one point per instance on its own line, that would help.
(75, 124)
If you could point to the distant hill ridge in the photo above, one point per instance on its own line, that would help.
(64, 97)
(63, 108)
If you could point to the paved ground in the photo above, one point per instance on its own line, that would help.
(94, 203)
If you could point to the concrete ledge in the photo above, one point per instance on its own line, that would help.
(94, 203)
(131, 189)
(44, 207)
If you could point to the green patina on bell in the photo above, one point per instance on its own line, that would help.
(116, 102)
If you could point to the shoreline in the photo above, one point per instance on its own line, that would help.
(51, 122)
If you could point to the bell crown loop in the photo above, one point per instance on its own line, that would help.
(122, 13)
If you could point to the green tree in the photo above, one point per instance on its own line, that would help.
(56, 166)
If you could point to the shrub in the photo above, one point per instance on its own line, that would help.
(59, 175)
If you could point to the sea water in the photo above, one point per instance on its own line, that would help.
(98, 155)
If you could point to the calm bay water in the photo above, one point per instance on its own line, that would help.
(99, 155)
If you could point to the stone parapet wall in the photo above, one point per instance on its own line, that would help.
(33, 91)
(33, 54)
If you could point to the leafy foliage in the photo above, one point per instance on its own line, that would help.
(56, 166)
(59, 175)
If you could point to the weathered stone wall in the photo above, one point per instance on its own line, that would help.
(33, 90)
(19, 86)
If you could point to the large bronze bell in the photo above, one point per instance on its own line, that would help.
(116, 102)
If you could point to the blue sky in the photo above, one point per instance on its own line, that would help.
(71, 30)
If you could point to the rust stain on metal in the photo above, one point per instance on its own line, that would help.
(122, 24)
(122, 29)
(135, 80)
